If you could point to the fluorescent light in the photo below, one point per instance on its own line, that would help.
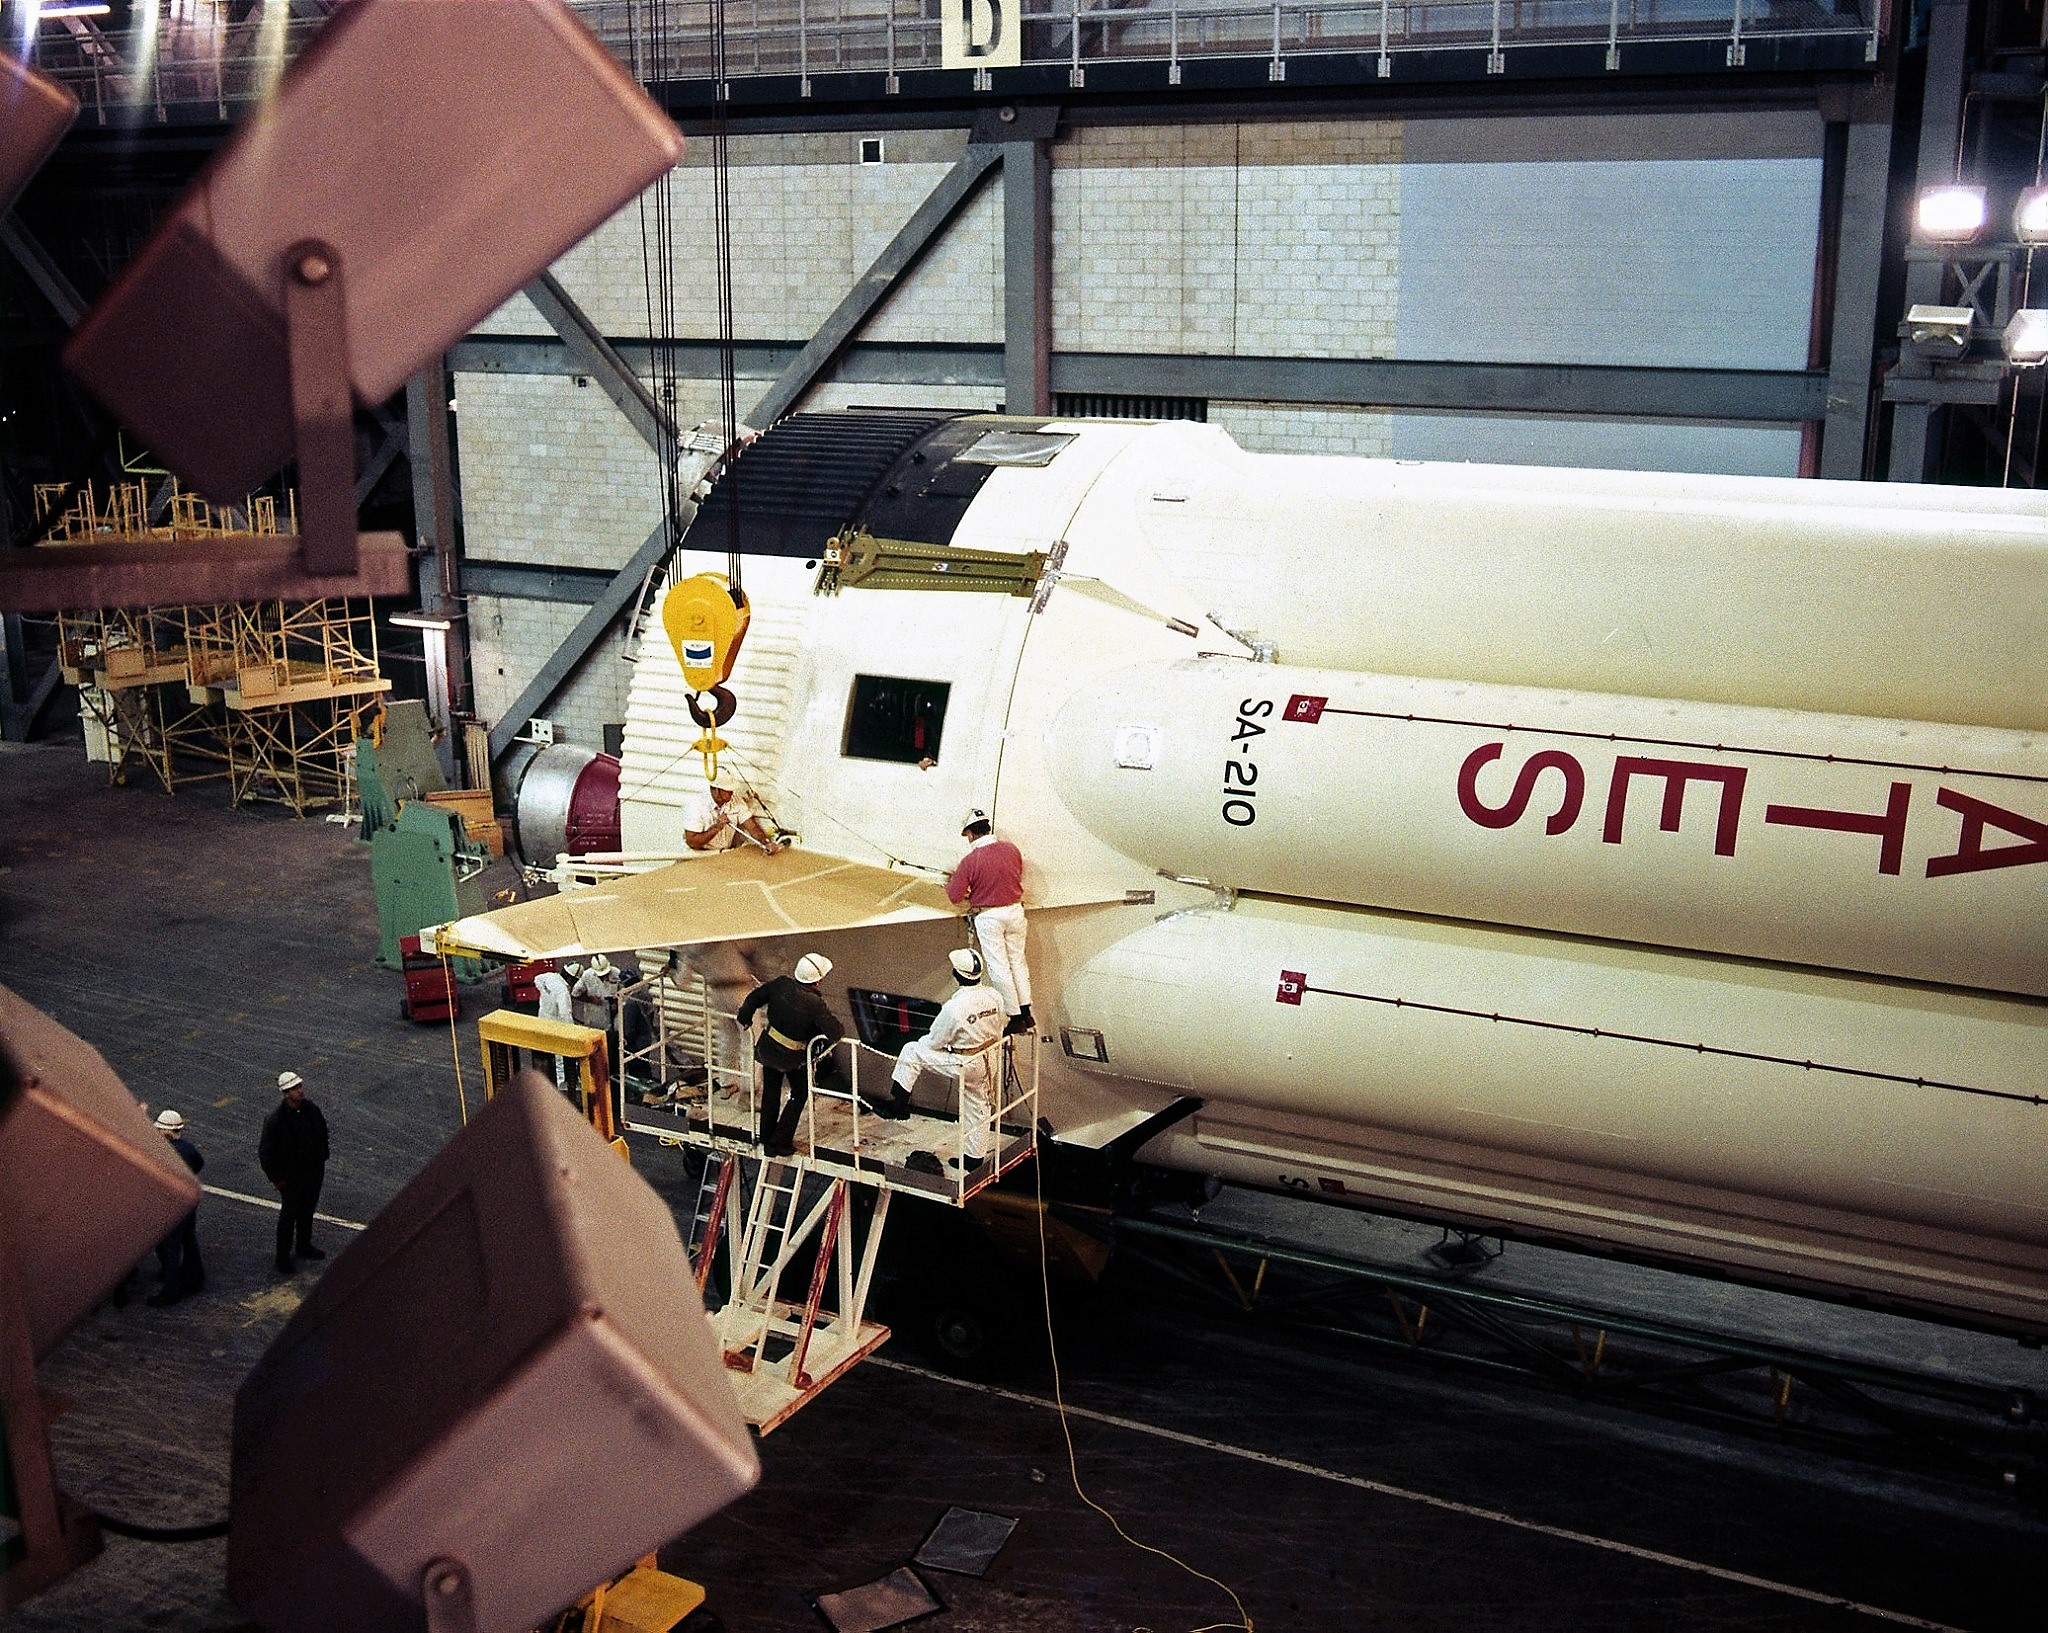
(1949, 215)
(416, 619)
(1939, 331)
(74, 8)
(2030, 216)
(2026, 337)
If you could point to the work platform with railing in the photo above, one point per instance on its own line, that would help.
(199, 62)
(683, 1073)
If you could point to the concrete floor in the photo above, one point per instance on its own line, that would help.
(203, 950)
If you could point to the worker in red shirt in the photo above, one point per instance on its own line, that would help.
(989, 883)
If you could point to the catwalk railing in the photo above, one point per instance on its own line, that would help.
(192, 63)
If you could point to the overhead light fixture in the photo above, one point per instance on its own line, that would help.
(1949, 215)
(2030, 216)
(1939, 331)
(418, 619)
(74, 8)
(2026, 337)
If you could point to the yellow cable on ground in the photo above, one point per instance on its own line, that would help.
(1244, 1621)
(454, 1040)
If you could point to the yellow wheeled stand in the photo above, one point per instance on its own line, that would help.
(512, 1040)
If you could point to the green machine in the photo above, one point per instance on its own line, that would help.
(424, 866)
(426, 872)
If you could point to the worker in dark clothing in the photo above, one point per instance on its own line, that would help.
(294, 1157)
(177, 1255)
(797, 1015)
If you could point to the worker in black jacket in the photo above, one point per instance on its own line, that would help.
(177, 1255)
(293, 1152)
(797, 1014)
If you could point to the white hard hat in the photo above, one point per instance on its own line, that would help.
(169, 1122)
(974, 817)
(966, 963)
(813, 968)
(599, 964)
(289, 1080)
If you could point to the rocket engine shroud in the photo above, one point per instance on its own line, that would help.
(1652, 863)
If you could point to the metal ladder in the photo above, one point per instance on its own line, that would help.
(763, 1256)
(707, 1218)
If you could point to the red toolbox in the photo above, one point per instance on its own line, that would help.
(430, 993)
(519, 979)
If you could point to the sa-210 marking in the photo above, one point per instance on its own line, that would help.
(1240, 776)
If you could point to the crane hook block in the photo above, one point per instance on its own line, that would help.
(706, 619)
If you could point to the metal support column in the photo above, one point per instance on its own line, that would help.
(433, 509)
(1941, 118)
(1027, 262)
(1859, 264)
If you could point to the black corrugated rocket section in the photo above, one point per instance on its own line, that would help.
(812, 476)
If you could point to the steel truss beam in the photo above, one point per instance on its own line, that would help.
(1764, 395)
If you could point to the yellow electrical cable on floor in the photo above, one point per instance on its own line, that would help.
(454, 1041)
(1244, 1621)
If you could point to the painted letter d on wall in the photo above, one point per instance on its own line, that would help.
(980, 34)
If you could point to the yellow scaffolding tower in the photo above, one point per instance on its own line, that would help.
(269, 694)
(296, 679)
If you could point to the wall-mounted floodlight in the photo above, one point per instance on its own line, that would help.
(1939, 331)
(416, 619)
(1949, 215)
(2026, 338)
(2030, 216)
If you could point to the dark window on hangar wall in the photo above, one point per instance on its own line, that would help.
(890, 718)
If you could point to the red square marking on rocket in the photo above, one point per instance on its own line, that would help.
(1307, 710)
(1292, 984)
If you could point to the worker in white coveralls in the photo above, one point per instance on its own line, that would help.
(989, 883)
(552, 988)
(718, 819)
(962, 1042)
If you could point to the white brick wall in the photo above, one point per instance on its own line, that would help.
(551, 472)
(1292, 428)
(1238, 240)
(807, 220)
(510, 639)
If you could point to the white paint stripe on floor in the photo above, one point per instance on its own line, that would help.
(276, 1206)
(1445, 1504)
